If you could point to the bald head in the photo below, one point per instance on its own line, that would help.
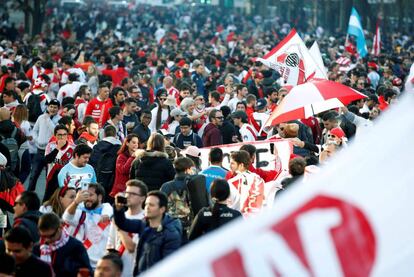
(168, 81)
(4, 114)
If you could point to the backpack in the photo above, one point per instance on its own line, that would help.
(33, 105)
(12, 145)
(105, 168)
(179, 207)
(177, 136)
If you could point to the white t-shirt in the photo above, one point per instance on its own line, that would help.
(164, 117)
(114, 242)
(68, 90)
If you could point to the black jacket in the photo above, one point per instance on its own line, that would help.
(153, 168)
(154, 245)
(228, 131)
(68, 259)
(99, 149)
(205, 222)
(33, 266)
(29, 221)
(6, 130)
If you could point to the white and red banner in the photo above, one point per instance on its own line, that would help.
(376, 44)
(352, 219)
(292, 60)
(266, 152)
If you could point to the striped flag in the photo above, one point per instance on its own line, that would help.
(376, 45)
(355, 29)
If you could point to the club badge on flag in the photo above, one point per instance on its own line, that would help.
(292, 60)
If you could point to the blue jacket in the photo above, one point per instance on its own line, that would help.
(154, 245)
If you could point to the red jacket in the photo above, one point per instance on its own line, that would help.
(118, 75)
(123, 166)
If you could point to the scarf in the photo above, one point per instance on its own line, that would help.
(88, 137)
(46, 250)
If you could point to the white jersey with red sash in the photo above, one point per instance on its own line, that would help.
(174, 92)
(114, 242)
(91, 231)
(247, 193)
(248, 133)
(62, 158)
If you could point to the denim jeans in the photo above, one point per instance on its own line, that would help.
(25, 166)
(38, 164)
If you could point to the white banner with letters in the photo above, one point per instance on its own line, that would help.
(266, 152)
(354, 218)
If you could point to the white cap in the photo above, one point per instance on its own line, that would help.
(3, 160)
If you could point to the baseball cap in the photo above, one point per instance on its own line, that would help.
(176, 112)
(3, 160)
(337, 132)
(192, 151)
(54, 102)
(239, 114)
(164, 133)
(261, 104)
(259, 75)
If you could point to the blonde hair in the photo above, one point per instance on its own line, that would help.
(156, 142)
(20, 114)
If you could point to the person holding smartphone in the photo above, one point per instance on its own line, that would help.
(121, 242)
(89, 220)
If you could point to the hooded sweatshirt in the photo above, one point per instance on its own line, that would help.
(212, 135)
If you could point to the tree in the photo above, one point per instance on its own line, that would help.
(34, 12)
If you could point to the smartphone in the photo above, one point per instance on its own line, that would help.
(84, 186)
(121, 200)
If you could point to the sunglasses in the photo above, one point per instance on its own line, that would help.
(220, 117)
(18, 203)
(163, 99)
(51, 235)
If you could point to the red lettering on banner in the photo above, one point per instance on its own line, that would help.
(229, 265)
(353, 238)
(346, 244)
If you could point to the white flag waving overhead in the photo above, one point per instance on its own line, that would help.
(353, 219)
(292, 59)
(317, 57)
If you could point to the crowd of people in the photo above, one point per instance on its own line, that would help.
(116, 106)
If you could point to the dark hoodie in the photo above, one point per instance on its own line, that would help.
(154, 244)
(107, 145)
(153, 168)
(6, 130)
(212, 135)
(29, 221)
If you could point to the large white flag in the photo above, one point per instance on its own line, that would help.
(352, 219)
(292, 60)
(317, 57)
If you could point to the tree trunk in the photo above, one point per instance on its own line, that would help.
(38, 15)
(26, 17)
(347, 7)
